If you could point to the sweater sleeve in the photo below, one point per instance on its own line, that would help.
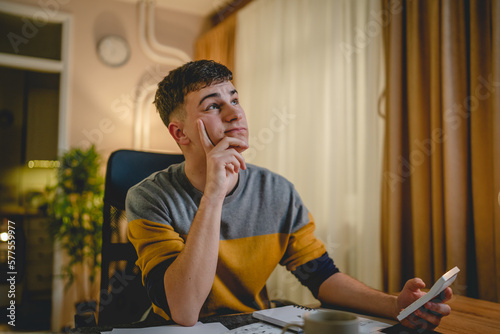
(302, 247)
(150, 230)
(155, 287)
(154, 243)
(313, 273)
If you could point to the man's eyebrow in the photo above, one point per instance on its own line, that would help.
(232, 92)
(208, 96)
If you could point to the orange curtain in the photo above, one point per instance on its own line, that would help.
(441, 178)
(218, 43)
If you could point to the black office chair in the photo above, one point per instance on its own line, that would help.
(123, 298)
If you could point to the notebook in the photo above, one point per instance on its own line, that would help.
(281, 316)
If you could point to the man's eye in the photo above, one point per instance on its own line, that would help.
(213, 107)
(235, 102)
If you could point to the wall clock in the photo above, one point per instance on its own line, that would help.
(113, 50)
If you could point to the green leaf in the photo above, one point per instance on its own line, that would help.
(74, 206)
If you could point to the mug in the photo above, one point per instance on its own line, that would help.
(328, 321)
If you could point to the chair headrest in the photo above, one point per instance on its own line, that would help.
(126, 168)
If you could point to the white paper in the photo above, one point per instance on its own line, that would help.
(199, 328)
(257, 328)
(369, 326)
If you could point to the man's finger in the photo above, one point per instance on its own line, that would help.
(439, 309)
(444, 296)
(241, 160)
(418, 324)
(415, 284)
(205, 139)
(233, 143)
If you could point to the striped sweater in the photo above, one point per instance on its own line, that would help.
(264, 223)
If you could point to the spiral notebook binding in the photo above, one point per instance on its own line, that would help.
(303, 307)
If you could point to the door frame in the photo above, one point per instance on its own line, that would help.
(47, 14)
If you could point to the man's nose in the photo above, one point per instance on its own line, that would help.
(232, 113)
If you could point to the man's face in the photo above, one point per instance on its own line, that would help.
(218, 107)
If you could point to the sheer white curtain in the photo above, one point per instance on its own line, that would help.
(309, 76)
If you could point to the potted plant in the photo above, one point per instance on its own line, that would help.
(75, 207)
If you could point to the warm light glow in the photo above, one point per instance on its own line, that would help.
(43, 164)
(4, 236)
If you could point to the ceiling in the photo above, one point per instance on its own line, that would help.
(202, 8)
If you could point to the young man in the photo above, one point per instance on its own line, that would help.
(209, 232)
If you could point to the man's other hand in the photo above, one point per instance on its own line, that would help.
(429, 316)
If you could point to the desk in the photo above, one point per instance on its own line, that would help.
(468, 316)
(471, 316)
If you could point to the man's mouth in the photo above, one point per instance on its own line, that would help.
(235, 130)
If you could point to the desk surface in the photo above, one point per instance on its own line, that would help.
(471, 316)
(468, 316)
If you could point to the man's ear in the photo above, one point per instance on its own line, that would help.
(176, 130)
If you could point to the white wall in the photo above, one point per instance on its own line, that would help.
(102, 98)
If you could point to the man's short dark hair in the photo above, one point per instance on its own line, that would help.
(190, 77)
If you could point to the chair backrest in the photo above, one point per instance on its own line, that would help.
(123, 298)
